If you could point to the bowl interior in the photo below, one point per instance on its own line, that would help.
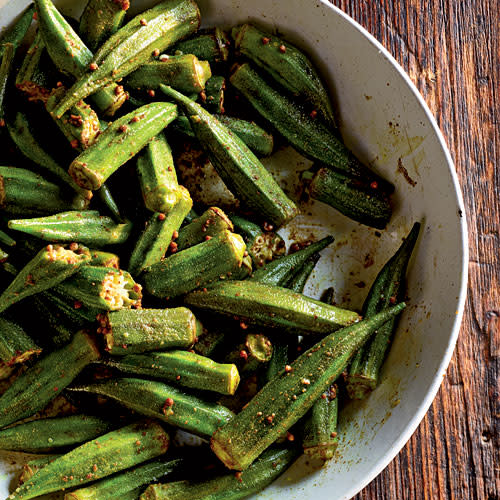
(386, 123)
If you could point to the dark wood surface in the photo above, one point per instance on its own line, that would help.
(451, 50)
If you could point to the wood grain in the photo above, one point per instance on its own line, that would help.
(451, 50)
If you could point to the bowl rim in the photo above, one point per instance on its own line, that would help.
(411, 427)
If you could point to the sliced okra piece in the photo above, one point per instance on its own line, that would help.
(298, 281)
(157, 175)
(142, 330)
(148, 33)
(16, 346)
(107, 199)
(210, 223)
(156, 239)
(123, 139)
(88, 227)
(210, 45)
(252, 354)
(50, 266)
(238, 167)
(102, 288)
(96, 459)
(101, 19)
(213, 97)
(104, 259)
(15, 35)
(196, 267)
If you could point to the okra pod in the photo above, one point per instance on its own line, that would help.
(155, 240)
(271, 306)
(101, 19)
(104, 259)
(123, 139)
(182, 368)
(238, 167)
(211, 223)
(388, 287)
(5, 70)
(185, 74)
(15, 35)
(113, 452)
(33, 466)
(142, 330)
(50, 266)
(286, 398)
(157, 176)
(45, 379)
(164, 402)
(213, 96)
(85, 227)
(102, 288)
(133, 45)
(210, 45)
(298, 281)
(254, 353)
(306, 134)
(196, 267)
(16, 346)
(48, 434)
(244, 271)
(266, 469)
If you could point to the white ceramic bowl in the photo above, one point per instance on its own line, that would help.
(386, 122)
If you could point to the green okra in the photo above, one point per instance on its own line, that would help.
(22, 192)
(306, 134)
(244, 271)
(252, 354)
(102, 288)
(210, 45)
(286, 64)
(33, 466)
(108, 454)
(388, 287)
(131, 481)
(211, 223)
(142, 330)
(7, 240)
(104, 259)
(213, 98)
(50, 266)
(271, 306)
(133, 45)
(163, 402)
(15, 35)
(184, 73)
(48, 434)
(280, 271)
(157, 175)
(45, 379)
(72, 57)
(358, 201)
(196, 267)
(238, 167)
(298, 281)
(155, 240)
(107, 199)
(287, 397)
(5, 71)
(85, 227)
(16, 346)
(266, 469)
(123, 139)
(183, 368)
(101, 19)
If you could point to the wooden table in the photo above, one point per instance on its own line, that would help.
(451, 50)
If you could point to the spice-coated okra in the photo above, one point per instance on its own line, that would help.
(16, 346)
(213, 97)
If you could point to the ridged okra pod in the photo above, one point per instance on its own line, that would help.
(306, 134)
(156, 238)
(87, 227)
(286, 64)
(50, 266)
(123, 139)
(286, 398)
(157, 176)
(142, 330)
(48, 434)
(196, 267)
(185, 74)
(164, 402)
(388, 287)
(16, 346)
(239, 168)
(298, 281)
(182, 368)
(214, 94)
(210, 223)
(280, 271)
(100, 20)
(129, 482)
(110, 453)
(210, 45)
(266, 469)
(15, 35)
(45, 379)
(102, 288)
(133, 45)
(271, 306)
(72, 56)
(22, 192)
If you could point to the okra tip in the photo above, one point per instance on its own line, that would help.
(233, 380)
